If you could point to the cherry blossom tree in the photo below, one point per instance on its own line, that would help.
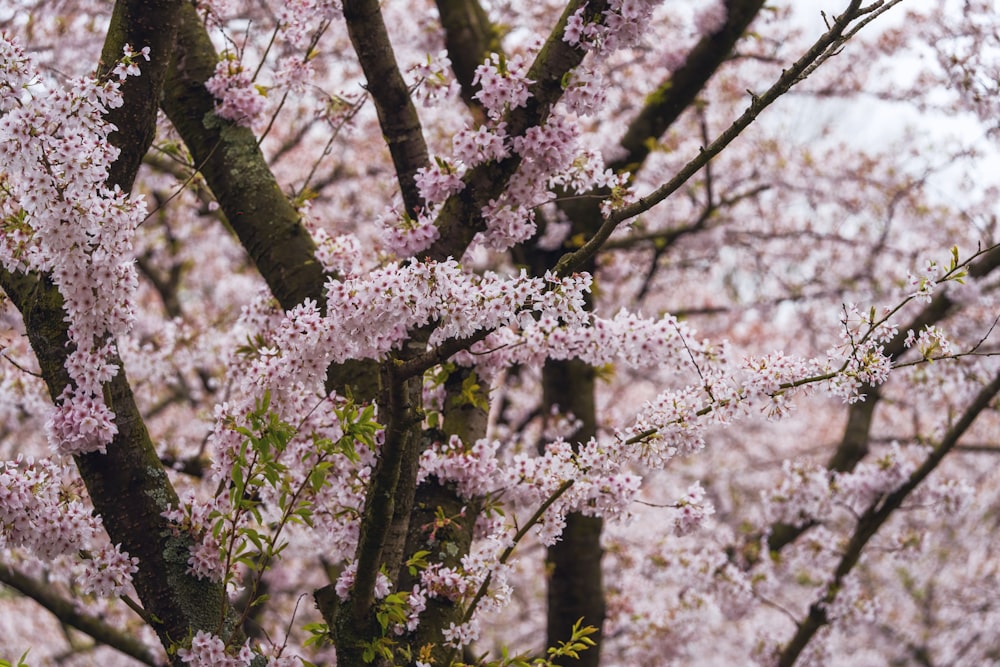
(600, 332)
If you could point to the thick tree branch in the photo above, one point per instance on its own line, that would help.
(128, 485)
(228, 157)
(440, 521)
(139, 24)
(396, 114)
(392, 482)
(68, 613)
(575, 583)
(461, 216)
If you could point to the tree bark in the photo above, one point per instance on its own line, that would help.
(127, 485)
(227, 155)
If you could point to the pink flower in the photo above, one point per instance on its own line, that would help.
(237, 98)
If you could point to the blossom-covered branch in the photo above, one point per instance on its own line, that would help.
(875, 515)
(825, 47)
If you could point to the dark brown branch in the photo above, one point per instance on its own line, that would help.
(461, 216)
(152, 23)
(441, 522)
(396, 114)
(353, 622)
(68, 614)
(128, 485)
(575, 582)
(418, 364)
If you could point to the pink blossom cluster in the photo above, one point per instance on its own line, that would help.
(636, 341)
(863, 340)
(692, 510)
(468, 468)
(503, 84)
(368, 316)
(617, 27)
(549, 148)
(208, 650)
(506, 224)
(670, 426)
(450, 583)
(442, 179)
(460, 635)
(339, 255)
(237, 98)
(18, 74)
(416, 601)
(552, 156)
(459, 584)
(435, 83)
(586, 91)
(674, 423)
(62, 219)
(346, 580)
(36, 514)
(925, 281)
(931, 342)
(599, 488)
(405, 237)
(109, 570)
(301, 19)
(696, 589)
(42, 515)
(811, 492)
(294, 74)
(485, 143)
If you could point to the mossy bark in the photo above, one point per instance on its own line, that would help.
(227, 155)
(128, 485)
